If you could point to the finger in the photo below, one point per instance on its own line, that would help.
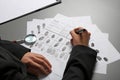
(42, 57)
(89, 34)
(71, 41)
(43, 63)
(33, 71)
(85, 35)
(73, 34)
(39, 67)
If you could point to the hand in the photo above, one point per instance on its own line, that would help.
(36, 64)
(80, 39)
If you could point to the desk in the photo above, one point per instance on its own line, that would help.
(104, 13)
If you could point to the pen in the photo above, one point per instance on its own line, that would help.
(80, 31)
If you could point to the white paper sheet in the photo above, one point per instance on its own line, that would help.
(10, 9)
(100, 68)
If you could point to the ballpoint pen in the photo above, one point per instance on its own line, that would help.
(80, 31)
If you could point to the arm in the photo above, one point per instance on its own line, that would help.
(16, 49)
(10, 67)
(36, 64)
(81, 64)
(82, 60)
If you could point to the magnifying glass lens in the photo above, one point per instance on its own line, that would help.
(30, 39)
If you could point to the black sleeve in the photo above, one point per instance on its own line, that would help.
(16, 49)
(81, 64)
(11, 68)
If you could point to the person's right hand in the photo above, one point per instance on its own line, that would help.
(80, 39)
(36, 64)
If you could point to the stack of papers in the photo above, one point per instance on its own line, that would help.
(53, 41)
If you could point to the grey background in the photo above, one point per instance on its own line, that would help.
(104, 13)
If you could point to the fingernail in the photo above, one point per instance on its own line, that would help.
(48, 70)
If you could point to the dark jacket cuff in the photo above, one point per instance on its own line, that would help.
(15, 49)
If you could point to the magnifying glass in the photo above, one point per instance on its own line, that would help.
(29, 39)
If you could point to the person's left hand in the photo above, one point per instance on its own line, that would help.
(36, 64)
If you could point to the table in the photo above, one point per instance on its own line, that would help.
(104, 13)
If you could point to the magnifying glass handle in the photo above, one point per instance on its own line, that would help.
(19, 41)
